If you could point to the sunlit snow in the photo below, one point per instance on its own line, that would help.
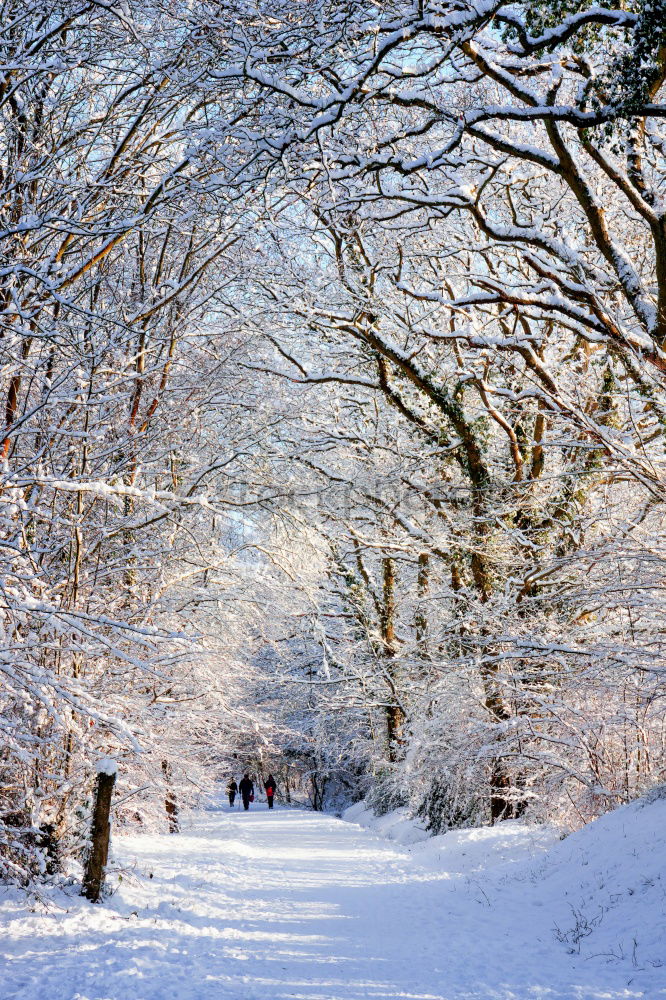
(294, 904)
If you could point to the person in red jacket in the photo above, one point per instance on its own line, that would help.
(270, 790)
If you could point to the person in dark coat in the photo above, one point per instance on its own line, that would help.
(270, 790)
(232, 791)
(246, 789)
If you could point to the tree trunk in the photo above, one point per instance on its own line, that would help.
(170, 801)
(93, 879)
(421, 618)
(500, 806)
(317, 792)
(395, 716)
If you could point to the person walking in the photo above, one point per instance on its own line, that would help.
(270, 790)
(232, 791)
(246, 789)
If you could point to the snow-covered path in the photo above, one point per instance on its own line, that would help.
(293, 904)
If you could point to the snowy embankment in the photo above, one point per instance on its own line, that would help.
(300, 905)
(604, 886)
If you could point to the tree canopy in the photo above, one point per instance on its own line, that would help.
(333, 343)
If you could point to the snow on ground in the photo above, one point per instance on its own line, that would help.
(462, 851)
(294, 904)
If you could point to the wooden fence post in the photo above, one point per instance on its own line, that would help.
(93, 878)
